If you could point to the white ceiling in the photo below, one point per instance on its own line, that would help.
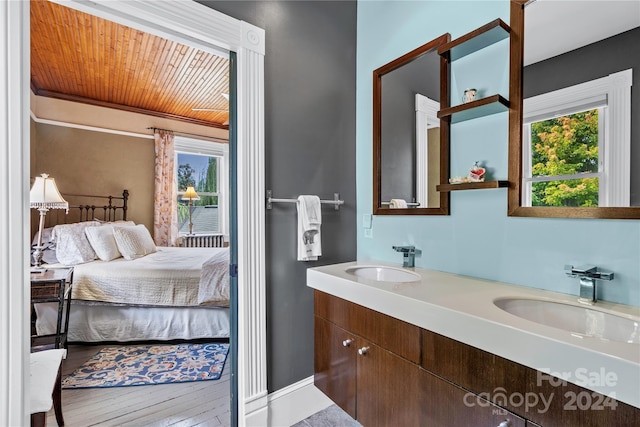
(553, 27)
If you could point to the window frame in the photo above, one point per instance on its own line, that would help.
(183, 145)
(611, 93)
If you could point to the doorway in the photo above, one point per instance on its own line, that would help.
(188, 23)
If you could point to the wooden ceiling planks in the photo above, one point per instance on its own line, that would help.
(83, 58)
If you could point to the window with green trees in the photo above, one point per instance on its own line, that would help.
(565, 159)
(576, 145)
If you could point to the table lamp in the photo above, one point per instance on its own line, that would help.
(44, 195)
(190, 195)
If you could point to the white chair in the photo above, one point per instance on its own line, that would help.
(46, 386)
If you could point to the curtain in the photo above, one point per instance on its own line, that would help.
(165, 213)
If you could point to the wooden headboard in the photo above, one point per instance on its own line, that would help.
(84, 207)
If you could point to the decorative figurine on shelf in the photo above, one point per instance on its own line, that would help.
(476, 173)
(469, 95)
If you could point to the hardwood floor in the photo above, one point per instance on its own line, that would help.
(201, 403)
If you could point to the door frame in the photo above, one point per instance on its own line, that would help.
(186, 22)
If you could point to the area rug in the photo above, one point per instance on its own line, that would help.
(149, 364)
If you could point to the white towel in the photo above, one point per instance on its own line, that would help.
(309, 221)
(397, 203)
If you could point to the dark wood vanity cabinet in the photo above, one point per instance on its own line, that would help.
(353, 368)
(408, 376)
(380, 387)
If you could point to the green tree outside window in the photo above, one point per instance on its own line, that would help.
(209, 184)
(566, 145)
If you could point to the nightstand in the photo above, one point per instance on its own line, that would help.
(51, 285)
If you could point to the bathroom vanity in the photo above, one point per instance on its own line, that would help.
(415, 347)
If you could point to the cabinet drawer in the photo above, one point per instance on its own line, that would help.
(333, 309)
(45, 291)
(446, 404)
(504, 381)
(470, 367)
(395, 335)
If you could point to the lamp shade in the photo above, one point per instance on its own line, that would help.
(45, 195)
(190, 194)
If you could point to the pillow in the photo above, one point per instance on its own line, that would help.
(72, 245)
(102, 240)
(133, 242)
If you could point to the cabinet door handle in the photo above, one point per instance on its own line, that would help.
(363, 351)
(505, 423)
(347, 342)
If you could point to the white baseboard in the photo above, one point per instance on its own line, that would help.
(255, 412)
(294, 403)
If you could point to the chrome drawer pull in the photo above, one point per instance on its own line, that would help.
(363, 351)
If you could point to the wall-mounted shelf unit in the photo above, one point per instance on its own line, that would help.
(472, 185)
(476, 40)
(474, 109)
(472, 42)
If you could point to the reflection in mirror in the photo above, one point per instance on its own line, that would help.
(409, 95)
(410, 142)
(579, 138)
(427, 146)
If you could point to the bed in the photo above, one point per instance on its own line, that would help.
(131, 290)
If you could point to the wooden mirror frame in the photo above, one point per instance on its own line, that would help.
(515, 207)
(378, 209)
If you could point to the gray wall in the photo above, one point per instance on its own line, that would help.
(310, 71)
(596, 60)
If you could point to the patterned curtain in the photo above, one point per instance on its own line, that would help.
(165, 213)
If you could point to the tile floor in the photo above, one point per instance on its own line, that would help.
(333, 416)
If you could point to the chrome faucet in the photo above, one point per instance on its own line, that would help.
(409, 255)
(588, 275)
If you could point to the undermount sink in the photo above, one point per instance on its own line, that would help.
(383, 273)
(579, 320)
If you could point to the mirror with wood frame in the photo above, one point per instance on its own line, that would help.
(573, 139)
(410, 144)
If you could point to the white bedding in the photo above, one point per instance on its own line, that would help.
(99, 322)
(182, 277)
(215, 270)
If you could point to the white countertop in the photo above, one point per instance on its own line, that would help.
(462, 308)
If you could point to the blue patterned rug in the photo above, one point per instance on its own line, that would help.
(149, 364)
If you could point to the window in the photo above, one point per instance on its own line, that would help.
(576, 145)
(203, 165)
(564, 166)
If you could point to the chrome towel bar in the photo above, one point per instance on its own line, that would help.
(336, 202)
